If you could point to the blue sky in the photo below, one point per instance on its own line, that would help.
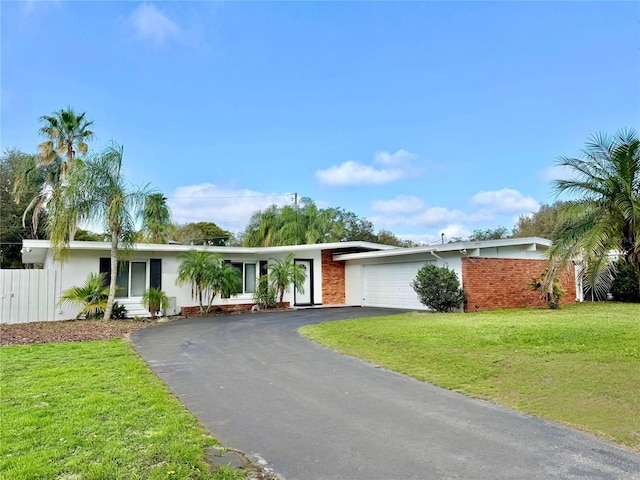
(425, 117)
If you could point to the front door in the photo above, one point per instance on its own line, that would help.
(304, 296)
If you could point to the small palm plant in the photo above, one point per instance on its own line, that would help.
(92, 296)
(155, 300)
(283, 273)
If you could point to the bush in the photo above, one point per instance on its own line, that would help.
(438, 288)
(625, 286)
(118, 312)
(155, 300)
(265, 295)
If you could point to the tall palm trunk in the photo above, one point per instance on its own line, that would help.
(114, 274)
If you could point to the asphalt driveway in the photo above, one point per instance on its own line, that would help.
(260, 387)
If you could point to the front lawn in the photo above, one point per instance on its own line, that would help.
(94, 410)
(579, 365)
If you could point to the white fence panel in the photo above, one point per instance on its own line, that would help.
(27, 296)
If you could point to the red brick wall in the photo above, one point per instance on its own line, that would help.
(332, 280)
(228, 307)
(492, 283)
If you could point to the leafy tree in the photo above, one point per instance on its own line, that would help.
(12, 231)
(283, 273)
(438, 288)
(194, 268)
(200, 233)
(606, 216)
(545, 223)
(209, 276)
(92, 296)
(625, 286)
(489, 234)
(87, 236)
(156, 219)
(97, 192)
(155, 300)
(66, 134)
(305, 223)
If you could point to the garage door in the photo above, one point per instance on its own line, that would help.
(389, 285)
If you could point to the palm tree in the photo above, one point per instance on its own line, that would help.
(155, 300)
(195, 266)
(67, 134)
(224, 280)
(283, 273)
(606, 217)
(92, 296)
(98, 193)
(156, 219)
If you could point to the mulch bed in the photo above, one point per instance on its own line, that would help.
(68, 331)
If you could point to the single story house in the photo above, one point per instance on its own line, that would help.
(494, 274)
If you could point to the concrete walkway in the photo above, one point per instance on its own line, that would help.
(314, 414)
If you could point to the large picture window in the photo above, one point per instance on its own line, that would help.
(247, 272)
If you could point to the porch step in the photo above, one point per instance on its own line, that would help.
(134, 307)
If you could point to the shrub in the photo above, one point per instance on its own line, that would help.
(549, 288)
(92, 296)
(438, 288)
(265, 295)
(119, 312)
(625, 286)
(155, 300)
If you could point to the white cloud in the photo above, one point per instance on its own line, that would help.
(151, 23)
(387, 167)
(505, 201)
(451, 232)
(228, 208)
(400, 204)
(556, 172)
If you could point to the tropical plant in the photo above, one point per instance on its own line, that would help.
(155, 300)
(119, 311)
(98, 193)
(283, 273)
(194, 268)
(92, 295)
(606, 216)
(438, 288)
(156, 219)
(265, 295)
(549, 287)
(209, 276)
(66, 134)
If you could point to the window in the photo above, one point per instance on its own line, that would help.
(247, 273)
(131, 279)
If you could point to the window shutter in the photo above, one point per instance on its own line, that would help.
(105, 267)
(155, 273)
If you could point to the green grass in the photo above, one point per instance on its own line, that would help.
(579, 365)
(94, 410)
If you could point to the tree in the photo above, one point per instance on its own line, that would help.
(438, 288)
(606, 215)
(155, 300)
(98, 193)
(305, 223)
(489, 234)
(283, 273)
(200, 233)
(92, 296)
(66, 134)
(156, 219)
(544, 223)
(12, 231)
(209, 276)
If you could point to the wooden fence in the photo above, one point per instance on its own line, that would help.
(27, 295)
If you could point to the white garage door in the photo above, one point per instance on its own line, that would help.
(389, 285)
